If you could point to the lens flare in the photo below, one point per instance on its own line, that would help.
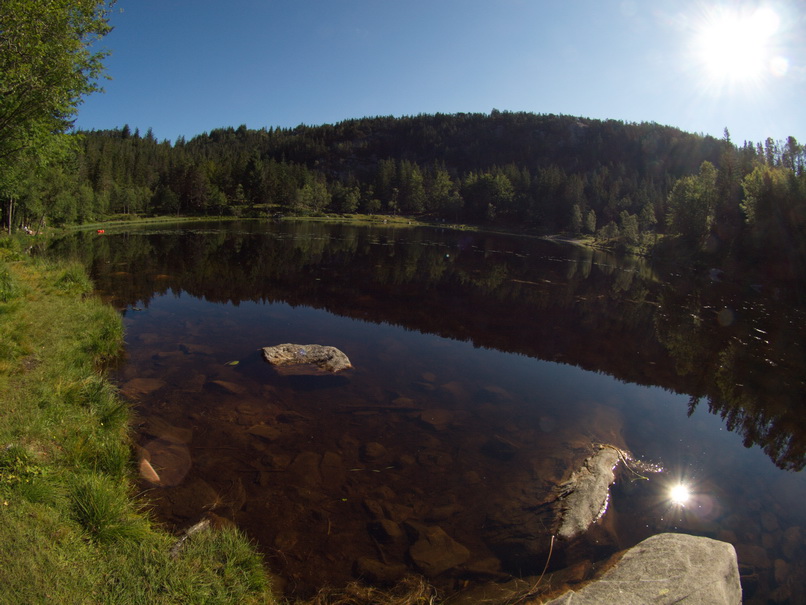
(779, 66)
(679, 495)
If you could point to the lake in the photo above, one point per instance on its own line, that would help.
(486, 368)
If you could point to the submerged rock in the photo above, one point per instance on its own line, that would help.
(372, 452)
(499, 448)
(305, 467)
(544, 503)
(147, 471)
(169, 460)
(379, 573)
(434, 551)
(139, 387)
(226, 386)
(585, 495)
(329, 359)
(269, 433)
(386, 531)
(160, 428)
(437, 419)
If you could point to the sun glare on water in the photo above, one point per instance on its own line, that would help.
(679, 494)
(735, 48)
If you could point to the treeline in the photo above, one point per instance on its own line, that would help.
(626, 184)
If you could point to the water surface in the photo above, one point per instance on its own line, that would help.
(485, 368)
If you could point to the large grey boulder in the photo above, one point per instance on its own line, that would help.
(329, 359)
(666, 569)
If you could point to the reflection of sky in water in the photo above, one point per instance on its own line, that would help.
(698, 451)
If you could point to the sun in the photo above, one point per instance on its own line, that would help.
(735, 47)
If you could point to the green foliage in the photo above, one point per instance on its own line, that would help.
(608, 234)
(17, 465)
(692, 202)
(444, 197)
(576, 219)
(8, 288)
(775, 209)
(542, 173)
(311, 198)
(629, 228)
(765, 192)
(231, 557)
(104, 341)
(411, 188)
(519, 167)
(103, 510)
(647, 219)
(70, 531)
(212, 567)
(345, 199)
(487, 194)
(73, 279)
(590, 222)
(49, 60)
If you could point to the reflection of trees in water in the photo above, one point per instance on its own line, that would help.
(574, 305)
(751, 370)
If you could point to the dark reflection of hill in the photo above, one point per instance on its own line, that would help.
(740, 352)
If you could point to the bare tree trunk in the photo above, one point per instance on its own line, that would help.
(10, 210)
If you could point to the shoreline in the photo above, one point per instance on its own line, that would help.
(73, 526)
(375, 220)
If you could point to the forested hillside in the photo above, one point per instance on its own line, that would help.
(626, 184)
(477, 168)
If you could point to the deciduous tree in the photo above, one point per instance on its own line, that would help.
(49, 60)
(691, 205)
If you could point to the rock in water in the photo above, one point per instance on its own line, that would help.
(379, 573)
(585, 495)
(666, 569)
(329, 359)
(434, 551)
(147, 472)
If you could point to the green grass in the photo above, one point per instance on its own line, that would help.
(71, 530)
(104, 511)
(8, 289)
(73, 279)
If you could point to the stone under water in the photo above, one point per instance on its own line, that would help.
(585, 495)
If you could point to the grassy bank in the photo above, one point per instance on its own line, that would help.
(71, 530)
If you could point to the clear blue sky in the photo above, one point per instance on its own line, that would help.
(183, 67)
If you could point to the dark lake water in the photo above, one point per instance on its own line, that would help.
(486, 367)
